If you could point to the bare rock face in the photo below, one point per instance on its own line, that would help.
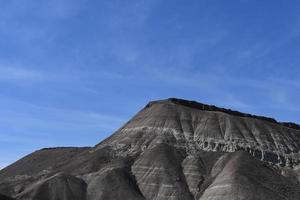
(172, 149)
(113, 183)
(241, 177)
(57, 187)
(159, 174)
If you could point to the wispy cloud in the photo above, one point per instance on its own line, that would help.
(48, 119)
(49, 9)
(11, 138)
(62, 8)
(20, 74)
(274, 90)
(32, 127)
(231, 101)
(182, 78)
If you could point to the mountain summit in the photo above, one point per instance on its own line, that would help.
(171, 149)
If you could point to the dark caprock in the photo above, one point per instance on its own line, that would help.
(172, 149)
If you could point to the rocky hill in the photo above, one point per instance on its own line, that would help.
(171, 149)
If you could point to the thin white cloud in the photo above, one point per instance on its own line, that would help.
(181, 78)
(275, 90)
(33, 126)
(47, 119)
(12, 138)
(62, 8)
(16, 73)
(20, 74)
(234, 102)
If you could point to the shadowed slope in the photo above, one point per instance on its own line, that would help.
(159, 174)
(241, 177)
(113, 183)
(57, 187)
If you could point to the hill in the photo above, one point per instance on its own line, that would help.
(171, 149)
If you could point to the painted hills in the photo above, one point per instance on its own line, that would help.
(172, 149)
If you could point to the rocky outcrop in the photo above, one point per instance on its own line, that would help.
(172, 149)
(210, 129)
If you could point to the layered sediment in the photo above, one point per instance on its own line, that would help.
(198, 127)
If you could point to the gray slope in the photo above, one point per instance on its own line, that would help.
(57, 187)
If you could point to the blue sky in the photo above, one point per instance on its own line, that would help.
(73, 71)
